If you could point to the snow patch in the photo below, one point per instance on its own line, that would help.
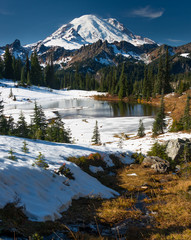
(95, 169)
(185, 55)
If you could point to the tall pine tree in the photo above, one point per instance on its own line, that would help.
(166, 83)
(39, 125)
(22, 129)
(186, 119)
(8, 68)
(36, 72)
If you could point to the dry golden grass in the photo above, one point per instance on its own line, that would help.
(184, 235)
(173, 205)
(136, 183)
(121, 208)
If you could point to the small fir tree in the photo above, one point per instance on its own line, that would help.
(159, 123)
(11, 155)
(96, 134)
(40, 161)
(141, 129)
(1, 106)
(11, 93)
(25, 148)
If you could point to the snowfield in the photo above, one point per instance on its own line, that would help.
(44, 194)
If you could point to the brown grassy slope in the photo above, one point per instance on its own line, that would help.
(174, 103)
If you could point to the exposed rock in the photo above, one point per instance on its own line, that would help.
(175, 148)
(158, 164)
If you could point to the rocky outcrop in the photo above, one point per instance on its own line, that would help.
(175, 148)
(158, 164)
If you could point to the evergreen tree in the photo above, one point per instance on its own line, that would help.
(11, 93)
(10, 126)
(166, 84)
(11, 155)
(28, 79)
(27, 66)
(4, 127)
(23, 79)
(150, 82)
(3, 120)
(49, 74)
(56, 132)
(8, 68)
(22, 129)
(1, 106)
(159, 123)
(41, 162)
(141, 129)
(186, 119)
(96, 135)
(114, 82)
(88, 81)
(25, 148)
(17, 69)
(36, 72)
(145, 83)
(1, 67)
(39, 125)
(160, 77)
(122, 84)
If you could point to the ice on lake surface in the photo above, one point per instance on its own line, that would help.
(89, 108)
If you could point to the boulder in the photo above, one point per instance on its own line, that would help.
(175, 148)
(158, 164)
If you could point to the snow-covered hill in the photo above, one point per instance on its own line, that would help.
(88, 29)
(43, 193)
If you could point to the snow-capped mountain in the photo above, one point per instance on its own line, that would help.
(88, 29)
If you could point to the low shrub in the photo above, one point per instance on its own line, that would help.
(158, 150)
(176, 126)
(139, 157)
(116, 161)
(63, 170)
(94, 159)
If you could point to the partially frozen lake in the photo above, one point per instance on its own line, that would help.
(90, 108)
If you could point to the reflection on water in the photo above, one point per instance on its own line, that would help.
(87, 108)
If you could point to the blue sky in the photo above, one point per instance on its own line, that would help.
(164, 21)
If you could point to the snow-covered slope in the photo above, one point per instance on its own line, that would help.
(42, 193)
(88, 29)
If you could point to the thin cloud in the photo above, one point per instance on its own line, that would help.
(147, 12)
(175, 40)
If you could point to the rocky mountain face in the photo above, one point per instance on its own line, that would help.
(16, 49)
(180, 57)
